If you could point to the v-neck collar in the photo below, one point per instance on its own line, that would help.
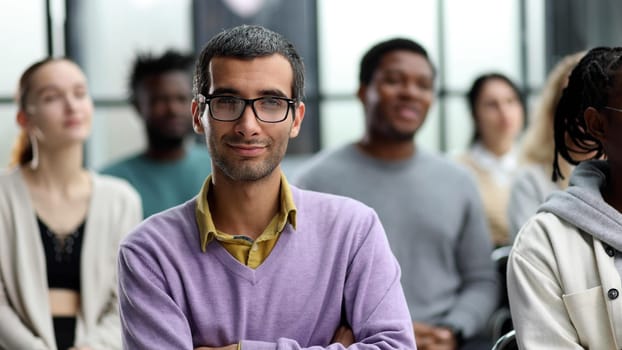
(268, 267)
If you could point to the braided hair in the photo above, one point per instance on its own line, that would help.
(589, 85)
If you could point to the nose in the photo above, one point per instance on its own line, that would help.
(176, 107)
(248, 124)
(506, 111)
(71, 101)
(410, 90)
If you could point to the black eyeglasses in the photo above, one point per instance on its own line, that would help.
(268, 109)
(613, 109)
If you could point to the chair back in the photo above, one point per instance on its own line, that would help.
(506, 342)
(501, 321)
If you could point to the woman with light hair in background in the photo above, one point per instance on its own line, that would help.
(60, 224)
(533, 183)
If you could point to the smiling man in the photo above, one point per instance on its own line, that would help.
(429, 207)
(252, 262)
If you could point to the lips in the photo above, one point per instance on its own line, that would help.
(72, 123)
(248, 150)
(408, 112)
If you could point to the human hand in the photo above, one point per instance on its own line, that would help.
(424, 335)
(430, 337)
(344, 335)
(445, 339)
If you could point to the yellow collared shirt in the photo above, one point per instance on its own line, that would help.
(244, 249)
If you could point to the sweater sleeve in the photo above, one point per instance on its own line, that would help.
(13, 333)
(479, 291)
(375, 305)
(107, 333)
(150, 318)
(523, 203)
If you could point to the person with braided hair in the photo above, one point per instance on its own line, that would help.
(564, 271)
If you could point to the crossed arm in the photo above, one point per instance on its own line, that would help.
(375, 304)
(343, 336)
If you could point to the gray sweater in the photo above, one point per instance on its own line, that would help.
(433, 217)
(530, 188)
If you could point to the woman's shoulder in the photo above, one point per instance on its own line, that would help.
(546, 233)
(533, 177)
(533, 173)
(112, 186)
(464, 157)
(468, 161)
(11, 180)
(9, 174)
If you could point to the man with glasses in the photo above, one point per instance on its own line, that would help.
(252, 262)
(430, 208)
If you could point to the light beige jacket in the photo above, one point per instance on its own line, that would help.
(495, 199)
(564, 289)
(25, 318)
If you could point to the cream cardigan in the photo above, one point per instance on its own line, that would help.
(25, 321)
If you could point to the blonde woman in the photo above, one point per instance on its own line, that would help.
(533, 183)
(60, 224)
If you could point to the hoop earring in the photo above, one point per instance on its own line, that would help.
(34, 145)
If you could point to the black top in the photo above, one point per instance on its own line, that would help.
(62, 256)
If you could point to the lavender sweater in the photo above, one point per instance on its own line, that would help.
(173, 296)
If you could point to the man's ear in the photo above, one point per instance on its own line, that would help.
(134, 103)
(596, 123)
(361, 93)
(197, 122)
(299, 116)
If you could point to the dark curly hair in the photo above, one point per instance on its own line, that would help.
(146, 65)
(247, 42)
(371, 59)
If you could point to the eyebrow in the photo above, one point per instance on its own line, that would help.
(397, 70)
(55, 87)
(266, 92)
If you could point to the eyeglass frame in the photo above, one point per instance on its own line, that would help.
(205, 102)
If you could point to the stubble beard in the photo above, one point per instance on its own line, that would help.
(389, 132)
(161, 141)
(246, 170)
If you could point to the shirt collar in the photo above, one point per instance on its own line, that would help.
(205, 223)
(501, 168)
